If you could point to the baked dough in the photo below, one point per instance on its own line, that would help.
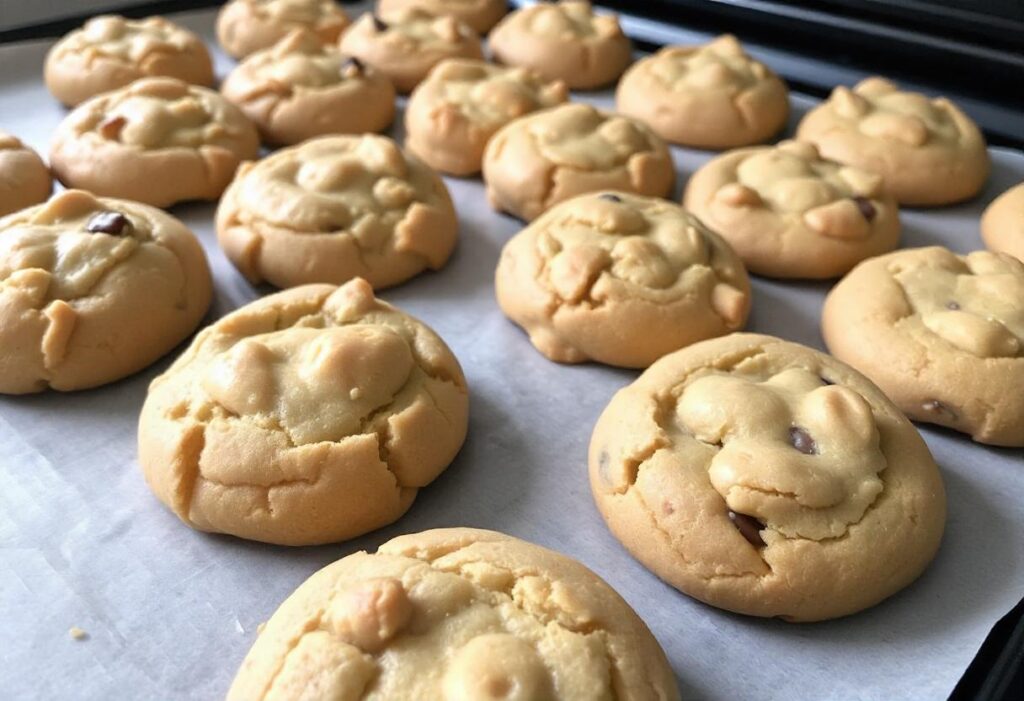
(302, 88)
(310, 416)
(620, 279)
(109, 52)
(452, 114)
(927, 150)
(550, 156)
(93, 290)
(24, 178)
(563, 41)
(158, 141)
(405, 45)
(1002, 224)
(480, 15)
(247, 26)
(455, 614)
(789, 213)
(763, 477)
(941, 334)
(713, 96)
(335, 208)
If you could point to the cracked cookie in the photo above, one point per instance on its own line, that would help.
(1002, 224)
(563, 41)
(405, 45)
(310, 416)
(335, 208)
(712, 96)
(247, 26)
(93, 290)
(942, 334)
(767, 478)
(553, 155)
(480, 15)
(109, 52)
(928, 151)
(24, 178)
(456, 614)
(452, 114)
(158, 141)
(790, 213)
(302, 88)
(620, 279)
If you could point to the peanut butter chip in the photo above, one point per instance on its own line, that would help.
(496, 667)
(371, 613)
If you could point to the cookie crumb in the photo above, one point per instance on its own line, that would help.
(77, 633)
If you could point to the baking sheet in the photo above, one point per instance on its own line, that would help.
(170, 612)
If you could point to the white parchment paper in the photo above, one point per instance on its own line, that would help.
(170, 612)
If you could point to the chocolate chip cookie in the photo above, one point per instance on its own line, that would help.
(247, 26)
(24, 178)
(480, 15)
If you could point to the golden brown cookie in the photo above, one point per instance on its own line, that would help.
(767, 478)
(620, 279)
(927, 150)
(247, 26)
(480, 15)
(157, 141)
(452, 114)
(310, 416)
(24, 178)
(302, 88)
(456, 614)
(790, 213)
(941, 334)
(1002, 223)
(93, 290)
(550, 156)
(109, 52)
(713, 96)
(563, 41)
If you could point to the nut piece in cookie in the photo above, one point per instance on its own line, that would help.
(563, 41)
(335, 208)
(24, 178)
(620, 279)
(480, 15)
(927, 151)
(942, 334)
(310, 416)
(247, 26)
(93, 290)
(406, 44)
(767, 478)
(302, 88)
(158, 141)
(553, 155)
(456, 614)
(790, 213)
(109, 52)
(452, 114)
(1002, 224)
(712, 96)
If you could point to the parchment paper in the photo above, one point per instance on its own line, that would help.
(170, 612)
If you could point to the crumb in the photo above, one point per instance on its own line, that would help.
(77, 633)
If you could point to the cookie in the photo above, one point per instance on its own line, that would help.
(926, 149)
(24, 178)
(247, 26)
(941, 334)
(790, 213)
(1002, 223)
(405, 45)
(454, 112)
(302, 88)
(93, 290)
(109, 52)
(553, 155)
(767, 478)
(310, 416)
(456, 614)
(158, 141)
(335, 208)
(563, 41)
(480, 15)
(620, 279)
(713, 96)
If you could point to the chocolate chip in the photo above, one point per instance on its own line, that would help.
(113, 223)
(825, 380)
(379, 24)
(953, 305)
(866, 208)
(352, 62)
(609, 197)
(749, 527)
(801, 440)
(934, 406)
